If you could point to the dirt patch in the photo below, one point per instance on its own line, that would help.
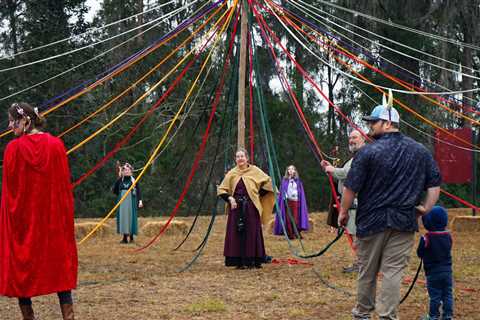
(117, 283)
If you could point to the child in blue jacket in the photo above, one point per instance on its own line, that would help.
(435, 249)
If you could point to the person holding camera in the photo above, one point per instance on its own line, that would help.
(127, 218)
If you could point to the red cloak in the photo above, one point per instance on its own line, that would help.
(38, 253)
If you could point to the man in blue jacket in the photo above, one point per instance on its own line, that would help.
(389, 177)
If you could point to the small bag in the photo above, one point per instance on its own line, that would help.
(242, 219)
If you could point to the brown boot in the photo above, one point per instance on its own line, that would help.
(67, 311)
(27, 312)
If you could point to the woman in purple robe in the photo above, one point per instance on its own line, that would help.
(292, 195)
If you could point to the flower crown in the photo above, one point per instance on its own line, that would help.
(21, 111)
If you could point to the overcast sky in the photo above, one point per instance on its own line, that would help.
(94, 6)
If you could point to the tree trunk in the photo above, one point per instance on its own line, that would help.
(332, 127)
(12, 8)
(299, 84)
(140, 19)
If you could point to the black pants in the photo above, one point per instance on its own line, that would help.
(64, 297)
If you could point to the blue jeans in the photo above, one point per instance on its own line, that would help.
(439, 286)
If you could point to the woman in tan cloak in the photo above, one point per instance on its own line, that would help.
(249, 193)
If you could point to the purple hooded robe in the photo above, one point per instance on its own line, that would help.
(302, 207)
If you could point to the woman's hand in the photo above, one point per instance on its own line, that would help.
(119, 169)
(233, 202)
(140, 204)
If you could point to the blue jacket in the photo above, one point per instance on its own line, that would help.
(435, 246)
(435, 249)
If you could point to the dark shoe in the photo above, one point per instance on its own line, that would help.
(351, 269)
(27, 312)
(67, 311)
(124, 239)
(131, 239)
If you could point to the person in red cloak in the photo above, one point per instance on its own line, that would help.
(38, 253)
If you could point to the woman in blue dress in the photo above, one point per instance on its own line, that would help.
(127, 220)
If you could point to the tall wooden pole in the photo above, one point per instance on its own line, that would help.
(241, 76)
(475, 136)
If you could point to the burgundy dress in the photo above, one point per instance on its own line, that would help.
(244, 247)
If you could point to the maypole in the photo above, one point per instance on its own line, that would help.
(241, 75)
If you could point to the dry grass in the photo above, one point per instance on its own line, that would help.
(117, 283)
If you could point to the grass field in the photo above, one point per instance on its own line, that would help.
(117, 283)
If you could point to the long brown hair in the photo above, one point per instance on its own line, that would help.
(295, 176)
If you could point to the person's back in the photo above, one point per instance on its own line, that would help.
(435, 246)
(38, 252)
(38, 200)
(435, 249)
(399, 170)
(388, 177)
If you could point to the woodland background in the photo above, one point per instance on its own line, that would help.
(26, 24)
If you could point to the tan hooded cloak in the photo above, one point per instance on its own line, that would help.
(254, 179)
